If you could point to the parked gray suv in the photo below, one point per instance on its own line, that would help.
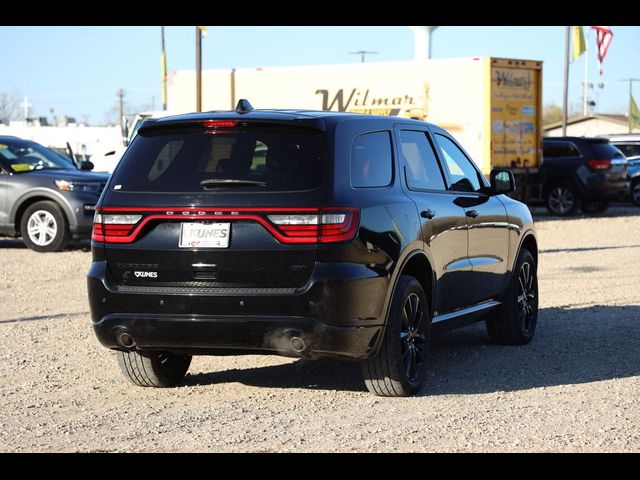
(43, 196)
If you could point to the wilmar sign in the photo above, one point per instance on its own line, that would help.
(513, 117)
(364, 101)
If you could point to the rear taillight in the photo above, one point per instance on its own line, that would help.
(113, 228)
(600, 164)
(288, 225)
(336, 225)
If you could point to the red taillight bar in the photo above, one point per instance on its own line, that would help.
(600, 164)
(287, 234)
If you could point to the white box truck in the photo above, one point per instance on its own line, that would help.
(493, 106)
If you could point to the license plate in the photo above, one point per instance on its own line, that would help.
(204, 235)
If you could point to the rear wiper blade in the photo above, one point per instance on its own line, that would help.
(230, 182)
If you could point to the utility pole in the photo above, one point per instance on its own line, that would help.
(630, 80)
(362, 53)
(585, 100)
(198, 69)
(120, 94)
(163, 66)
(565, 97)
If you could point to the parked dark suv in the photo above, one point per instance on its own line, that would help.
(306, 234)
(43, 196)
(582, 172)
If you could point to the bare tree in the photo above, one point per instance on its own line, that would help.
(9, 106)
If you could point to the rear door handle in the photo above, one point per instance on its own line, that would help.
(472, 213)
(428, 213)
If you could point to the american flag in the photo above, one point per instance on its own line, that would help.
(604, 35)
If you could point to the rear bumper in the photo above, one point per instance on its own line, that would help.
(339, 317)
(601, 188)
(202, 334)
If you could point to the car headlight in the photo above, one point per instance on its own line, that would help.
(74, 186)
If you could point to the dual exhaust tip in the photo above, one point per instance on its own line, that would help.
(296, 342)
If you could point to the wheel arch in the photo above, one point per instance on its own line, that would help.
(417, 264)
(530, 242)
(29, 199)
(562, 180)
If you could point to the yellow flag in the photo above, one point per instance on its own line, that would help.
(579, 45)
(635, 114)
(203, 30)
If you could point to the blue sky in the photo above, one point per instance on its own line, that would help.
(77, 70)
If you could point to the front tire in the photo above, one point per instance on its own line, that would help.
(563, 199)
(399, 369)
(153, 369)
(515, 321)
(44, 227)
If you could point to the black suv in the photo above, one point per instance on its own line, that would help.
(306, 234)
(582, 172)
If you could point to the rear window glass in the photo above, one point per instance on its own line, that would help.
(605, 150)
(182, 160)
(371, 160)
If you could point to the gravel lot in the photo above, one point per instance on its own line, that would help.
(576, 387)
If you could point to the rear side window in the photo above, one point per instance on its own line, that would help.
(180, 159)
(421, 166)
(559, 149)
(371, 160)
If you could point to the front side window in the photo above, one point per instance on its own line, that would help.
(24, 156)
(464, 177)
(371, 160)
(421, 166)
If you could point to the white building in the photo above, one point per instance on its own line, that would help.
(591, 126)
(89, 141)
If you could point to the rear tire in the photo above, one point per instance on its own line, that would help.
(563, 199)
(44, 227)
(514, 323)
(399, 369)
(635, 192)
(153, 369)
(594, 208)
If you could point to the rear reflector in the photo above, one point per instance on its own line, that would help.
(600, 164)
(288, 225)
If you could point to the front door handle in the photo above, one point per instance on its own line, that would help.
(472, 213)
(428, 213)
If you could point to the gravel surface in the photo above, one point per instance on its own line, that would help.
(576, 387)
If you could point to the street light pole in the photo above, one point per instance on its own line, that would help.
(565, 97)
(163, 65)
(198, 69)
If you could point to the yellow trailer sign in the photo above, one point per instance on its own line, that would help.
(515, 113)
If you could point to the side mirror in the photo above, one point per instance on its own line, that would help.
(502, 181)
(86, 165)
